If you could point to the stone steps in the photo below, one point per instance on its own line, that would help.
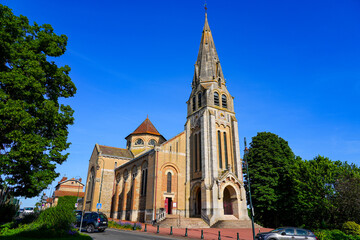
(234, 224)
(181, 222)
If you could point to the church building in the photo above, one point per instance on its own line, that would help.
(197, 174)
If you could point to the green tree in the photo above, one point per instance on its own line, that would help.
(346, 199)
(271, 169)
(314, 189)
(33, 123)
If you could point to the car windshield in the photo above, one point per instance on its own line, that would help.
(29, 208)
(277, 230)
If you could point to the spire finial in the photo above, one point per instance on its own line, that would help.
(147, 116)
(205, 7)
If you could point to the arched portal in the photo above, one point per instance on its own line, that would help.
(230, 201)
(198, 203)
(228, 209)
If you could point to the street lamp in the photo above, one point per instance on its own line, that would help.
(102, 176)
(77, 178)
(246, 151)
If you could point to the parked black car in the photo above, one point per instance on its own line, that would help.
(92, 221)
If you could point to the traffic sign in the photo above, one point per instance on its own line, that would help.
(98, 206)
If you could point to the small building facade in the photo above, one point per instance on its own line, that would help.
(196, 174)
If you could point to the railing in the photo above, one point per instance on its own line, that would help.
(160, 215)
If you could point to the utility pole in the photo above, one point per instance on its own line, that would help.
(246, 151)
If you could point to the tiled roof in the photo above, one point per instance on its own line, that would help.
(117, 152)
(68, 193)
(146, 127)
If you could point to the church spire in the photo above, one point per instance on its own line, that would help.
(207, 67)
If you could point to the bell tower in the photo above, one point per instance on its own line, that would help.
(214, 185)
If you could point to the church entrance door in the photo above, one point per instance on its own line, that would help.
(168, 205)
(228, 210)
(198, 203)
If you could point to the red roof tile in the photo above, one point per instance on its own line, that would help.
(146, 127)
(68, 193)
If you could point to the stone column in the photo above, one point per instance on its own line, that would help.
(187, 174)
(236, 146)
(124, 199)
(135, 197)
(119, 186)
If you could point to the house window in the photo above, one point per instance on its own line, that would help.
(216, 99)
(139, 141)
(224, 101)
(194, 103)
(168, 182)
(199, 100)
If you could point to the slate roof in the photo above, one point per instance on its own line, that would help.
(146, 127)
(116, 152)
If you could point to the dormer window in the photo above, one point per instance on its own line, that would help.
(224, 101)
(152, 142)
(194, 103)
(216, 99)
(139, 142)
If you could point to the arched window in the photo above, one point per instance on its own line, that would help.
(144, 174)
(224, 101)
(139, 141)
(91, 184)
(219, 149)
(194, 103)
(152, 142)
(216, 99)
(199, 100)
(225, 149)
(200, 163)
(168, 182)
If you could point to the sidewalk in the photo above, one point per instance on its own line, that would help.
(209, 233)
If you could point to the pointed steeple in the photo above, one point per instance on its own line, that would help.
(207, 67)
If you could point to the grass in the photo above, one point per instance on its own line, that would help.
(79, 237)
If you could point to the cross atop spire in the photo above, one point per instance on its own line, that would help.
(207, 67)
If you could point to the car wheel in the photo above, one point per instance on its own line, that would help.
(101, 230)
(90, 228)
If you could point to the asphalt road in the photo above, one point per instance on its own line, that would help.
(126, 235)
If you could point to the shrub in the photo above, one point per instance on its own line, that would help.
(124, 225)
(59, 217)
(334, 235)
(351, 228)
(8, 211)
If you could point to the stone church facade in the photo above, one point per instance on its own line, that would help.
(196, 174)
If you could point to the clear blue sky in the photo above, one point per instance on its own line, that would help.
(292, 66)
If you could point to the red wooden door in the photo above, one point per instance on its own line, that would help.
(166, 204)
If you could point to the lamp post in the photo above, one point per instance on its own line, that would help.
(246, 151)
(77, 178)
(102, 176)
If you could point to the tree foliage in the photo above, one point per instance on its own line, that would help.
(288, 191)
(270, 162)
(33, 123)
